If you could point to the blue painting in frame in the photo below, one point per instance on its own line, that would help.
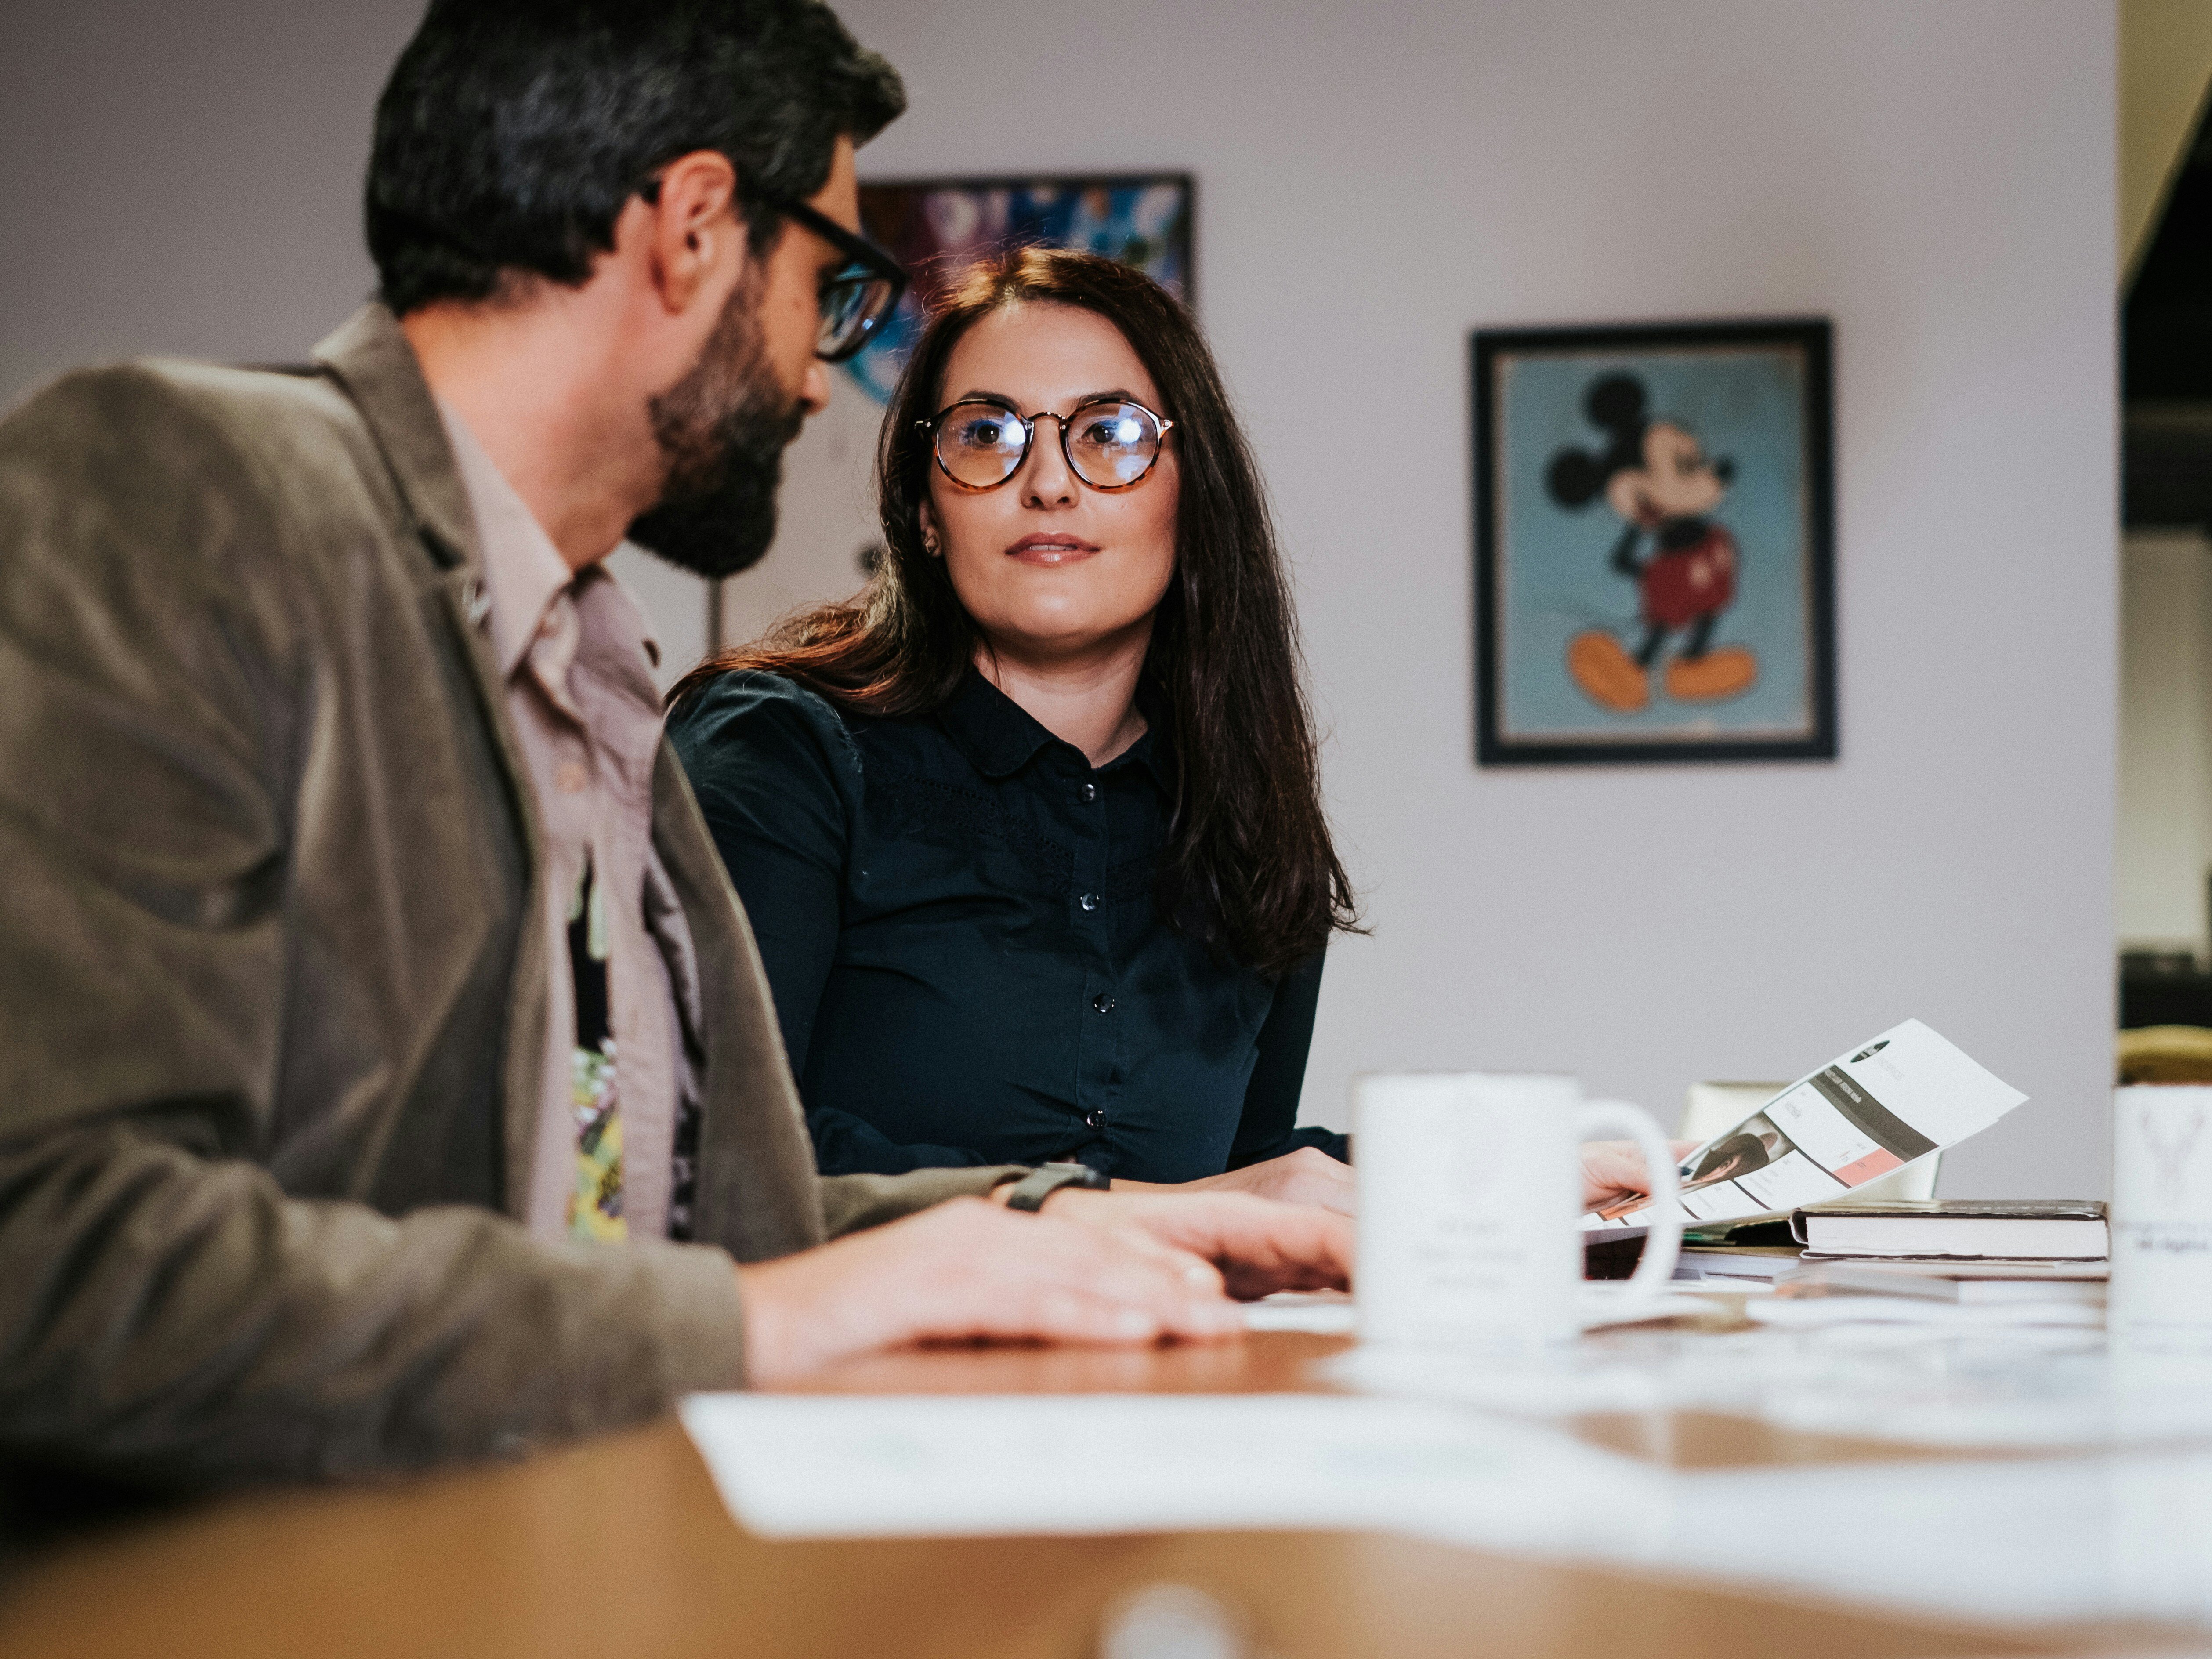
(1654, 543)
(937, 227)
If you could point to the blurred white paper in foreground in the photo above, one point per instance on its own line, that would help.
(889, 1465)
(1602, 1302)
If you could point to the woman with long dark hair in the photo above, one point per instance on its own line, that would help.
(1031, 830)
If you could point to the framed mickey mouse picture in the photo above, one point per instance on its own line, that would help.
(1654, 545)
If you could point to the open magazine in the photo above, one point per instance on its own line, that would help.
(1906, 1095)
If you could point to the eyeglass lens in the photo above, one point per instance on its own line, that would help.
(1109, 445)
(853, 307)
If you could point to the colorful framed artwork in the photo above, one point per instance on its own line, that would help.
(1654, 545)
(936, 228)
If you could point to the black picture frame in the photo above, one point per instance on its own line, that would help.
(1743, 370)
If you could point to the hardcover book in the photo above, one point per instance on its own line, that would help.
(2012, 1228)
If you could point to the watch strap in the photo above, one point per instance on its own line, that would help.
(1032, 1189)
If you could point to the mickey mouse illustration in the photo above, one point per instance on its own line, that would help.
(1658, 478)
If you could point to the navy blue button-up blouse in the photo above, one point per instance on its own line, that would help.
(956, 915)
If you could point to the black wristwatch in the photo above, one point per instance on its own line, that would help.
(1032, 1189)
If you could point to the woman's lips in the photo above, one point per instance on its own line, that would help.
(1051, 550)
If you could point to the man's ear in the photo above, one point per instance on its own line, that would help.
(698, 240)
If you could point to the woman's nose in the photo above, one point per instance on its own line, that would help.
(1046, 480)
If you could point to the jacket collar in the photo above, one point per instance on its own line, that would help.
(375, 367)
(999, 736)
(372, 360)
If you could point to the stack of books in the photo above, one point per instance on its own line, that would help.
(1982, 1252)
(2025, 1253)
(1730, 1265)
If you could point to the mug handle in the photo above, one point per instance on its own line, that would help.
(1662, 1245)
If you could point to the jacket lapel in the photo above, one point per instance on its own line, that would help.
(756, 1194)
(370, 358)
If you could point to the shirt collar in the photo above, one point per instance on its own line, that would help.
(999, 735)
(525, 575)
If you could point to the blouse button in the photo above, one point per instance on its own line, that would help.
(1102, 1003)
(1094, 1119)
(1091, 792)
(1088, 900)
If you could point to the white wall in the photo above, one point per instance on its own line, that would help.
(1375, 179)
(186, 177)
(183, 177)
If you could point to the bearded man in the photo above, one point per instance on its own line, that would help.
(390, 1074)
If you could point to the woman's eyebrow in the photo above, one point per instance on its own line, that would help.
(1112, 394)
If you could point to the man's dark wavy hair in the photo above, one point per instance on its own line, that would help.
(512, 131)
(1250, 866)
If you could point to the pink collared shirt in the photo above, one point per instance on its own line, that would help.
(576, 658)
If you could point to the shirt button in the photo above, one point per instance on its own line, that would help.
(1102, 1003)
(568, 778)
(1088, 900)
(1094, 1119)
(1091, 792)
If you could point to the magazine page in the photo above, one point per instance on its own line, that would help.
(1904, 1095)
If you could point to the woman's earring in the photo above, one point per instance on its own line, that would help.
(929, 544)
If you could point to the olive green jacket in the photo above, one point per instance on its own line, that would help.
(271, 1023)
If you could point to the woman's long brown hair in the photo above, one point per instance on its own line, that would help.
(1249, 865)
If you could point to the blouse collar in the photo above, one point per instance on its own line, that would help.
(999, 736)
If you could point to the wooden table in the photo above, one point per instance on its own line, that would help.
(619, 1546)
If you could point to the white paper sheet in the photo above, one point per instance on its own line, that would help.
(1805, 1312)
(2029, 1540)
(1978, 1387)
(1605, 1303)
(860, 1466)
(1904, 1096)
(1325, 1313)
(2039, 1539)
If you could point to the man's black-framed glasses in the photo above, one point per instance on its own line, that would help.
(857, 298)
(1110, 443)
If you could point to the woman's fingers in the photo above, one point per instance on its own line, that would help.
(1307, 1176)
(1613, 1171)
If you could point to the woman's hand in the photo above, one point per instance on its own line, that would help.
(1309, 1176)
(1613, 1171)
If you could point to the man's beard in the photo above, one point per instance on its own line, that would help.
(724, 427)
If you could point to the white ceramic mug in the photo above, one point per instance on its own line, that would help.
(2161, 1301)
(1470, 1205)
